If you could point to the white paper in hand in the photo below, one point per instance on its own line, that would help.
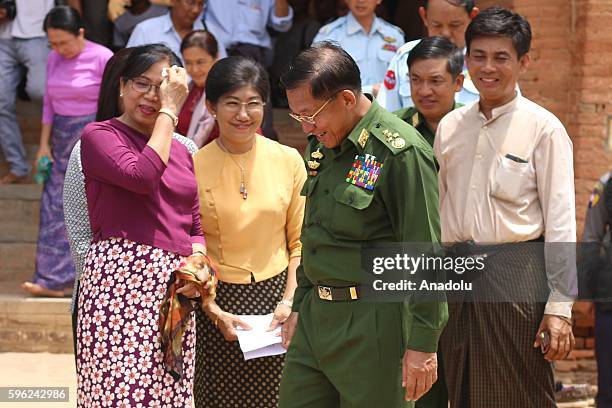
(258, 342)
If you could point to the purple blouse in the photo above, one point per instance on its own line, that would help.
(73, 84)
(131, 193)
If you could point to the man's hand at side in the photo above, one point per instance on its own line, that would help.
(561, 337)
(419, 373)
(288, 329)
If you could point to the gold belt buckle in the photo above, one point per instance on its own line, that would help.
(325, 293)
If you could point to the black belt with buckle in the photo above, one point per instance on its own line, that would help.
(332, 294)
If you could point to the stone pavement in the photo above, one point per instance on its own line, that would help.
(38, 370)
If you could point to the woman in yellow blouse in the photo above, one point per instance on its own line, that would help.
(252, 212)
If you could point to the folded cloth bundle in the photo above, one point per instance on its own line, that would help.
(176, 308)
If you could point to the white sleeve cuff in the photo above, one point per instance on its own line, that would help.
(559, 305)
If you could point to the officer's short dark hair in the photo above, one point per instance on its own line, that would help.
(326, 67)
(231, 73)
(64, 18)
(467, 4)
(501, 22)
(438, 47)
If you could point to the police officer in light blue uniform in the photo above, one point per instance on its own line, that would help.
(370, 40)
(441, 17)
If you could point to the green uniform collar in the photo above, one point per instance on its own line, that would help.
(416, 119)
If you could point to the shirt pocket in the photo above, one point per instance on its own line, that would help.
(510, 179)
(348, 218)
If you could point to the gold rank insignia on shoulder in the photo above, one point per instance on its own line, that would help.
(394, 139)
(595, 195)
(363, 138)
(415, 119)
(398, 143)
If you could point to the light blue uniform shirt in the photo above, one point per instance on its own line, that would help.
(394, 94)
(244, 21)
(161, 30)
(372, 51)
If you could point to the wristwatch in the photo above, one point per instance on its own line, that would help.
(170, 114)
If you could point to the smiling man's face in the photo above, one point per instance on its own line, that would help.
(331, 125)
(495, 68)
(433, 88)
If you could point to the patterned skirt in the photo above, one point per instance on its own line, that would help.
(119, 356)
(223, 379)
(54, 265)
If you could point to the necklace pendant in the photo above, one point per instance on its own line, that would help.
(243, 191)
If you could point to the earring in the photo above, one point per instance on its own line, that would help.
(121, 94)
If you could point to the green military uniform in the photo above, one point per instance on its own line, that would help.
(413, 117)
(348, 353)
(437, 397)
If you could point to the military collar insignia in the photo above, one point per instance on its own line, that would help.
(313, 164)
(363, 138)
(415, 120)
(317, 154)
(394, 139)
(364, 171)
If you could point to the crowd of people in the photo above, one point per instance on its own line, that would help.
(163, 153)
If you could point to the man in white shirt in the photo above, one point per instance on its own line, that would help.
(506, 179)
(172, 27)
(23, 45)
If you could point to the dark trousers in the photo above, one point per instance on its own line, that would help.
(603, 339)
(261, 55)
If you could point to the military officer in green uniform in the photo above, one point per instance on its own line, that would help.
(435, 72)
(371, 178)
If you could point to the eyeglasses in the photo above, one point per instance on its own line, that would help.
(311, 119)
(143, 85)
(251, 106)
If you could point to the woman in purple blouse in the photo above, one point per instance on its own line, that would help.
(144, 213)
(74, 73)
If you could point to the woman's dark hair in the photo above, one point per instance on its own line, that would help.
(201, 39)
(229, 74)
(108, 99)
(467, 4)
(438, 47)
(326, 67)
(501, 22)
(143, 57)
(63, 18)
